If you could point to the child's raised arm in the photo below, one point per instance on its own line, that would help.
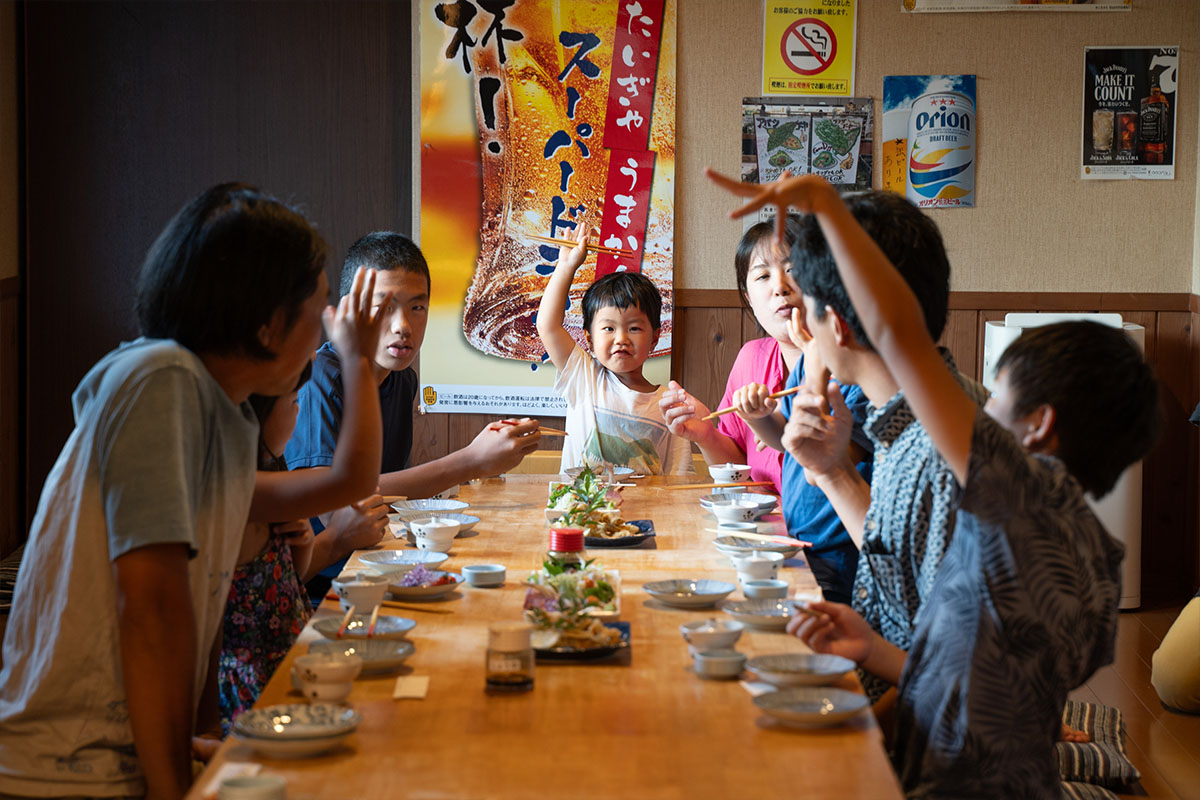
(354, 330)
(553, 308)
(889, 311)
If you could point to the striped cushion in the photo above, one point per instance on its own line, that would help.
(1102, 760)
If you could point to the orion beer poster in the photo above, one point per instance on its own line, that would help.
(1129, 112)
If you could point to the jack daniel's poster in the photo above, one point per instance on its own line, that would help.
(1129, 113)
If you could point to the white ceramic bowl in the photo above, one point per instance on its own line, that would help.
(729, 473)
(757, 565)
(484, 574)
(327, 667)
(719, 663)
(434, 533)
(362, 590)
(769, 588)
(386, 627)
(800, 669)
(429, 506)
(712, 634)
(465, 521)
(392, 563)
(296, 721)
(326, 691)
(734, 509)
(811, 706)
(766, 614)
(688, 592)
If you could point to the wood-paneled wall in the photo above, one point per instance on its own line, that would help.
(11, 498)
(710, 327)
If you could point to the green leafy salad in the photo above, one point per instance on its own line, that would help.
(585, 503)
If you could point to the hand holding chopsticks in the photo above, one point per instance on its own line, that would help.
(772, 396)
(599, 248)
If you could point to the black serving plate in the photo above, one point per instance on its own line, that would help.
(586, 653)
(633, 540)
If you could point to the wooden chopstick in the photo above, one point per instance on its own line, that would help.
(374, 619)
(345, 621)
(761, 537)
(772, 396)
(599, 248)
(394, 604)
(720, 485)
(551, 432)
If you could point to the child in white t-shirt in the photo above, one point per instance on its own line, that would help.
(612, 410)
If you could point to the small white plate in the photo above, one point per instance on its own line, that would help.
(386, 627)
(811, 706)
(688, 592)
(768, 614)
(429, 505)
(398, 562)
(296, 721)
(800, 669)
(738, 546)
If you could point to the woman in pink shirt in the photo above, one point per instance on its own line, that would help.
(767, 292)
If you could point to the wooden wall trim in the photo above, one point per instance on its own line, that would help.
(999, 301)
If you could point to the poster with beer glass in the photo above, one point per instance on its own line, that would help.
(827, 136)
(1129, 112)
(929, 139)
(538, 116)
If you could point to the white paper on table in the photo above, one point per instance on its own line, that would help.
(755, 688)
(228, 770)
(411, 687)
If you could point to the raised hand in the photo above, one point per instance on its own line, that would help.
(683, 413)
(752, 401)
(571, 259)
(802, 192)
(354, 326)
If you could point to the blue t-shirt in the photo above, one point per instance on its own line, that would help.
(320, 417)
(806, 510)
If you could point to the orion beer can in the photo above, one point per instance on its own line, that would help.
(941, 150)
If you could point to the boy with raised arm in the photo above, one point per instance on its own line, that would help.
(613, 414)
(402, 279)
(1024, 606)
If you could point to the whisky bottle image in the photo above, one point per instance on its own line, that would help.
(1154, 123)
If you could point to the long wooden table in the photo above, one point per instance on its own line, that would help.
(640, 725)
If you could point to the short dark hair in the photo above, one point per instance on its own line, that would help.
(755, 235)
(223, 266)
(1104, 395)
(909, 239)
(383, 251)
(622, 290)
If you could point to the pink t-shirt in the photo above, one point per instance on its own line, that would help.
(759, 361)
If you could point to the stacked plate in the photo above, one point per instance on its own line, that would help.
(399, 562)
(295, 730)
(811, 706)
(761, 613)
(800, 669)
(429, 506)
(688, 593)
(740, 546)
(467, 521)
(378, 655)
(762, 503)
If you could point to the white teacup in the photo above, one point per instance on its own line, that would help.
(729, 473)
(434, 533)
(361, 590)
(758, 566)
(327, 667)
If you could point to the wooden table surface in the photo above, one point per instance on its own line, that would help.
(639, 725)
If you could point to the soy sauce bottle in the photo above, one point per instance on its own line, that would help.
(509, 658)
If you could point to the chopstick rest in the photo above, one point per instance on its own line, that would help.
(411, 687)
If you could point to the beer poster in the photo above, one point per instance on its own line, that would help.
(827, 136)
(1016, 5)
(808, 47)
(1129, 113)
(929, 139)
(537, 116)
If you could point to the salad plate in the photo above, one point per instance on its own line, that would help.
(386, 627)
(645, 531)
(378, 655)
(688, 593)
(559, 653)
(800, 669)
(427, 592)
(811, 706)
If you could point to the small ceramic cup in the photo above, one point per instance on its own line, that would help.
(484, 575)
(719, 663)
(434, 533)
(757, 566)
(362, 590)
(765, 588)
(729, 473)
(253, 787)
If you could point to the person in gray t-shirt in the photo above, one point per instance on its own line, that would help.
(123, 583)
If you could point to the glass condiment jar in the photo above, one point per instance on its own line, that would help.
(566, 549)
(509, 662)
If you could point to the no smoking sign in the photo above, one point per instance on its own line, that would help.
(808, 46)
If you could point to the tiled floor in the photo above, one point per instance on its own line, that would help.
(1163, 744)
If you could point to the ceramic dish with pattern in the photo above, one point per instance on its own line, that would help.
(429, 506)
(378, 655)
(386, 627)
(768, 614)
(738, 546)
(467, 521)
(296, 721)
(688, 592)
(618, 472)
(765, 503)
(293, 748)
(427, 592)
(800, 669)
(811, 706)
(645, 531)
(397, 562)
(556, 653)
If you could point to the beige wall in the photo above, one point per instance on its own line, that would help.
(1037, 226)
(8, 139)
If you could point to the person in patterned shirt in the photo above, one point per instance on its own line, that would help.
(903, 519)
(1024, 607)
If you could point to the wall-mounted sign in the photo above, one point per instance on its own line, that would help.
(808, 47)
(929, 139)
(1129, 112)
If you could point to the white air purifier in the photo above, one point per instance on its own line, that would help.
(1121, 509)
